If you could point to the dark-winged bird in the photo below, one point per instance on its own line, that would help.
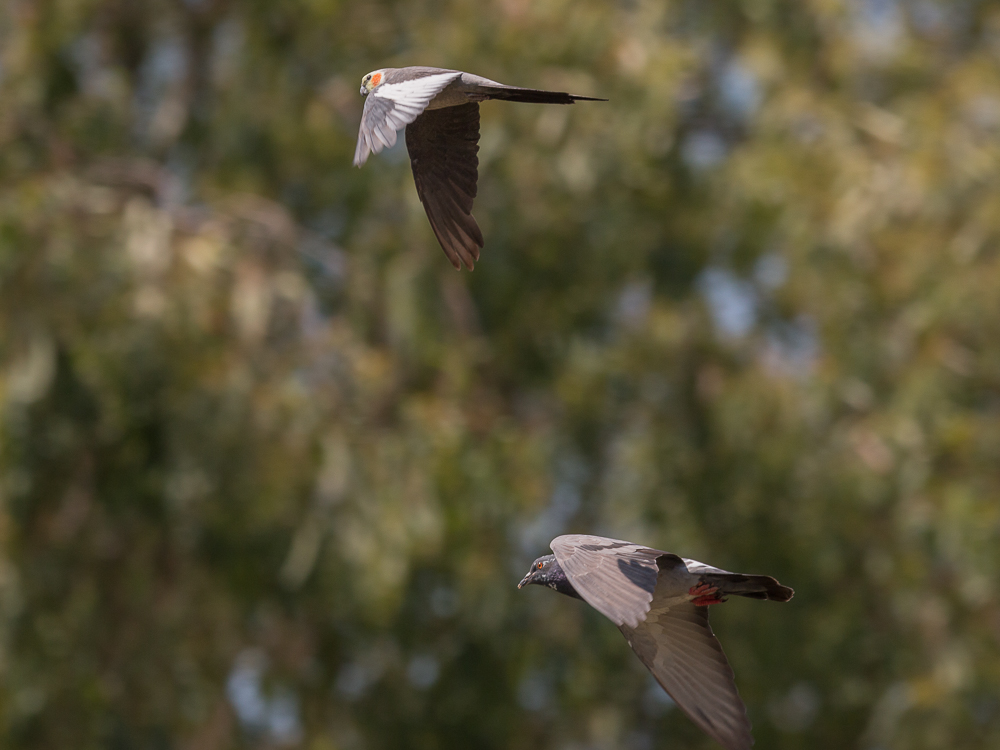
(440, 111)
(660, 603)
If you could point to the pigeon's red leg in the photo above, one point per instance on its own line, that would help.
(705, 595)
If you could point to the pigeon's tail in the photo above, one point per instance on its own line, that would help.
(753, 587)
(537, 96)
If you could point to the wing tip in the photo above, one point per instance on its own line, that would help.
(361, 153)
(454, 240)
(468, 257)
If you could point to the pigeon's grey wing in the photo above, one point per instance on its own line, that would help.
(392, 106)
(615, 577)
(443, 144)
(676, 643)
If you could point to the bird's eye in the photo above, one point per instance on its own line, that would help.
(539, 566)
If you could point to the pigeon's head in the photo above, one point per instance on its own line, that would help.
(545, 571)
(371, 80)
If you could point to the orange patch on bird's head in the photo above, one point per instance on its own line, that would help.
(372, 80)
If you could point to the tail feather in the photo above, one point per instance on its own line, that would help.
(537, 96)
(750, 586)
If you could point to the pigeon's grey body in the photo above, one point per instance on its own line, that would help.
(440, 110)
(660, 601)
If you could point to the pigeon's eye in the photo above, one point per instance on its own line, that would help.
(540, 565)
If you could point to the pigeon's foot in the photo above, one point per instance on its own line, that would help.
(705, 595)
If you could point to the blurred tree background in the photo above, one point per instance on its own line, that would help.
(270, 468)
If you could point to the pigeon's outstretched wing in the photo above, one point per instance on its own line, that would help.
(394, 105)
(677, 645)
(615, 577)
(443, 144)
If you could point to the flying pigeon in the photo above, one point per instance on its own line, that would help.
(660, 603)
(440, 111)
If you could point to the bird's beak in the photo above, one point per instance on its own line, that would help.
(526, 580)
(364, 91)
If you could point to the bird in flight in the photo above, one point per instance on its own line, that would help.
(440, 110)
(660, 603)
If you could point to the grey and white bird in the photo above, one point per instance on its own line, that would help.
(440, 110)
(660, 603)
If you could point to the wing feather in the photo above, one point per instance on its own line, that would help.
(615, 577)
(677, 645)
(443, 144)
(414, 94)
(392, 106)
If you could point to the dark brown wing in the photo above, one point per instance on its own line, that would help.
(443, 144)
(677, 645)
(615, 577)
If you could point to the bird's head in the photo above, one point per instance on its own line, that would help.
(370, 81)
(544, 571)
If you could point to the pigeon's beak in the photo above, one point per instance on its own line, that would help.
(526, 580)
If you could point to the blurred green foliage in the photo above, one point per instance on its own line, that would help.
(270, 469)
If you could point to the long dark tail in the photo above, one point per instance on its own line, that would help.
(753, 587)
(537, 96)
